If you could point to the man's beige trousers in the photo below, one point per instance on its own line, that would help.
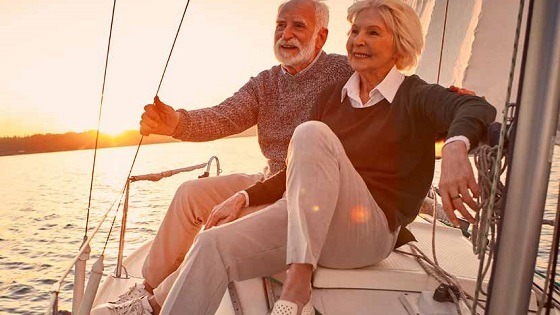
(190, 208)
(327, 217)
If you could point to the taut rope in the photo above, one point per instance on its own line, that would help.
(442, 41)
(142, 138)
(99, 117)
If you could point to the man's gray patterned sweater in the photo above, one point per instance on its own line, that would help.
(275, 101)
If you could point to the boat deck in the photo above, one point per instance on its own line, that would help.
(384, 288)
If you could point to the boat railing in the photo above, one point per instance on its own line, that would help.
(82, 300)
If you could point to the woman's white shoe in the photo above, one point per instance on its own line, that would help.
(283, 307)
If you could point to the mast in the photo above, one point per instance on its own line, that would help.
(531, 163)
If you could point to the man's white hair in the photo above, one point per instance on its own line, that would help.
(321, 13)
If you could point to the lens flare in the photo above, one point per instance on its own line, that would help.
(360, 214)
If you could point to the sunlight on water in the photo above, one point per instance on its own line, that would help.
(44, 198)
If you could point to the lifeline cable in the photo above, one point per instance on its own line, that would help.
(99, 117)
(114, 219)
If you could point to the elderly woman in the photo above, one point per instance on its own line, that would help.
(356, 174)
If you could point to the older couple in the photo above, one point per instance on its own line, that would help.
(355, 177)
(277, 101)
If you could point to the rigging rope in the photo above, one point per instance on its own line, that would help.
(442, 40)
(99, 117)
(488, 161)
(161, 80)
(142, 138)
(492, 198)
(432, 267)
(490, 211)
(173, 46)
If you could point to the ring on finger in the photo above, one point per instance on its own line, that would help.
(456, 197)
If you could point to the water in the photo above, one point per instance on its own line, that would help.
(43, 206)
(44, 198)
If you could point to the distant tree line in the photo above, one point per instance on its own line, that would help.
(69, 141)
(41, 143)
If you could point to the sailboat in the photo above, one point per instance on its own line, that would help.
(468, 43)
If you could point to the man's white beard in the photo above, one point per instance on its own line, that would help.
(304, 55)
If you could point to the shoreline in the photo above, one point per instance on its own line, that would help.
(49, 143)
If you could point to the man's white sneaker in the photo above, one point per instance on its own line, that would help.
(135, 292)
(139, 306)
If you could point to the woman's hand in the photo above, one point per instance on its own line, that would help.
(457, 185)
(226, 212)
(461, 91)
(158, 118)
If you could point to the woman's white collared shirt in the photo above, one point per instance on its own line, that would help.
(386, 89)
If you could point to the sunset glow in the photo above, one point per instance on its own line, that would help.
(439, 147)
(54, 56)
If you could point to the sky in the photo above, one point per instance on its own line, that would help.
(53, 57)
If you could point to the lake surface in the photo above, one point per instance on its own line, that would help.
(44, 199)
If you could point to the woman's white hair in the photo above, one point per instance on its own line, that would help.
(402, 21)
(321, 13)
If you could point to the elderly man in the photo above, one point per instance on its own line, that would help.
(276, 100)
(356, 173)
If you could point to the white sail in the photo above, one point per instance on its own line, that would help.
(477, 49)
(424, 9)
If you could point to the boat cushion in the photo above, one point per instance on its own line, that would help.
(403, 272)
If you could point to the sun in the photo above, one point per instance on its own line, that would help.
(115, 123)
(112, 131)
